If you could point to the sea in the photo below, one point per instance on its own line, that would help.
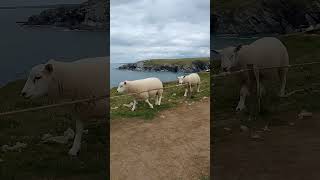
(21, 48)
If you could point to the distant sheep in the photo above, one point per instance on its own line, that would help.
(264, 52)
(149, 87)
(191, 80)
(84, 78)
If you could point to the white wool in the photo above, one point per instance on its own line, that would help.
(191, 79)
(262, 53)
(265, 52)
(84, 78)
(142, 85)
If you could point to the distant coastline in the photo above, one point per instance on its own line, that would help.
(186, 65)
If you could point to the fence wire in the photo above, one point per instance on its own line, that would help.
(93, 99)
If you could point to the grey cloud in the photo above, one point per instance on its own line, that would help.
(145, 29)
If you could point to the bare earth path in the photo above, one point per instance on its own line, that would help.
(287, 152)
(174, 145)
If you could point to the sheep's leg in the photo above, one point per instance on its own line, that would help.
(160, 97)
(150, 105)
(134, 105)
(77, 140)
(185, 92)
(244, 92)
(190, 87)
(283, 80)
(198, 85)
(157, 99)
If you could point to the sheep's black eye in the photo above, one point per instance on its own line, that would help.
(36, 78)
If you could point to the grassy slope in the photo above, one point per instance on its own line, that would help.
(169, 100)
(183, 61)
(46, 160)
(301, 49)
(224, 5)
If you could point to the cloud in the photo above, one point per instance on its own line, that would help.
(146, 29)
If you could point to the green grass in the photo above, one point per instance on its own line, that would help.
(205, 178)
(301, 48)
(46, 160)
(228, 5)
(169, 101)
(181, 61)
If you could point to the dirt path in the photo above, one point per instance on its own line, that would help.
(174, 145)
(289, 151)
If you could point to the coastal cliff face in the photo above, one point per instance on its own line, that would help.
(91, 15)
(194, 66)
(264, 16)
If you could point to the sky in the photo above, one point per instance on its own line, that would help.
(151, 29)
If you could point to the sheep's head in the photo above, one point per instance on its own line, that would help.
(122, 87)
(180, 79)
(38, 81)
(228, 57)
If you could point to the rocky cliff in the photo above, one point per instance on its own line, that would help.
(91, 15)
(264, 16)
(188, 67)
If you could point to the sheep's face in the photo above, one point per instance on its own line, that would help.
(180, 79)
(228, 58)
(122, 87)
(38, 81)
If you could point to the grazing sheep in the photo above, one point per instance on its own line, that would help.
(149, 87)
(72, 80)
(192, 79)
(264, 52)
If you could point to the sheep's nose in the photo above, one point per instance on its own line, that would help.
(23, 94)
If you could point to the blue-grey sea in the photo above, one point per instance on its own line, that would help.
(22, 48)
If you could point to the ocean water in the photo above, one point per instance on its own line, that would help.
(118, 76)
(22, 48)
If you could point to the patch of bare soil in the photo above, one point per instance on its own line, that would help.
(174, 145)
(290, 150)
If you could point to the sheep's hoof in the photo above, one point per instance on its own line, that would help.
(240, 108)
(73, 152)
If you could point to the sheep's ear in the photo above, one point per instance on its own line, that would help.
(238, 48)
(49, 68)
(216, 51)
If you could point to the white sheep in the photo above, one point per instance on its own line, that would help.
(72, 80)
(264, 52)
(149, 87)
(190, 80)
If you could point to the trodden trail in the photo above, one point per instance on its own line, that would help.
(173, 145)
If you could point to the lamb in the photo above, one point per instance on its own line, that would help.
(83, 78)
(149, 87)
(192, 79)
(264, 52)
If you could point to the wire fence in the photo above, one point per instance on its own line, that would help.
(253, 107)
(88, 100)
(94, 99)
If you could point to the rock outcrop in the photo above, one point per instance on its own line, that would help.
(91, 15)
(264, 16)
(195, 66)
